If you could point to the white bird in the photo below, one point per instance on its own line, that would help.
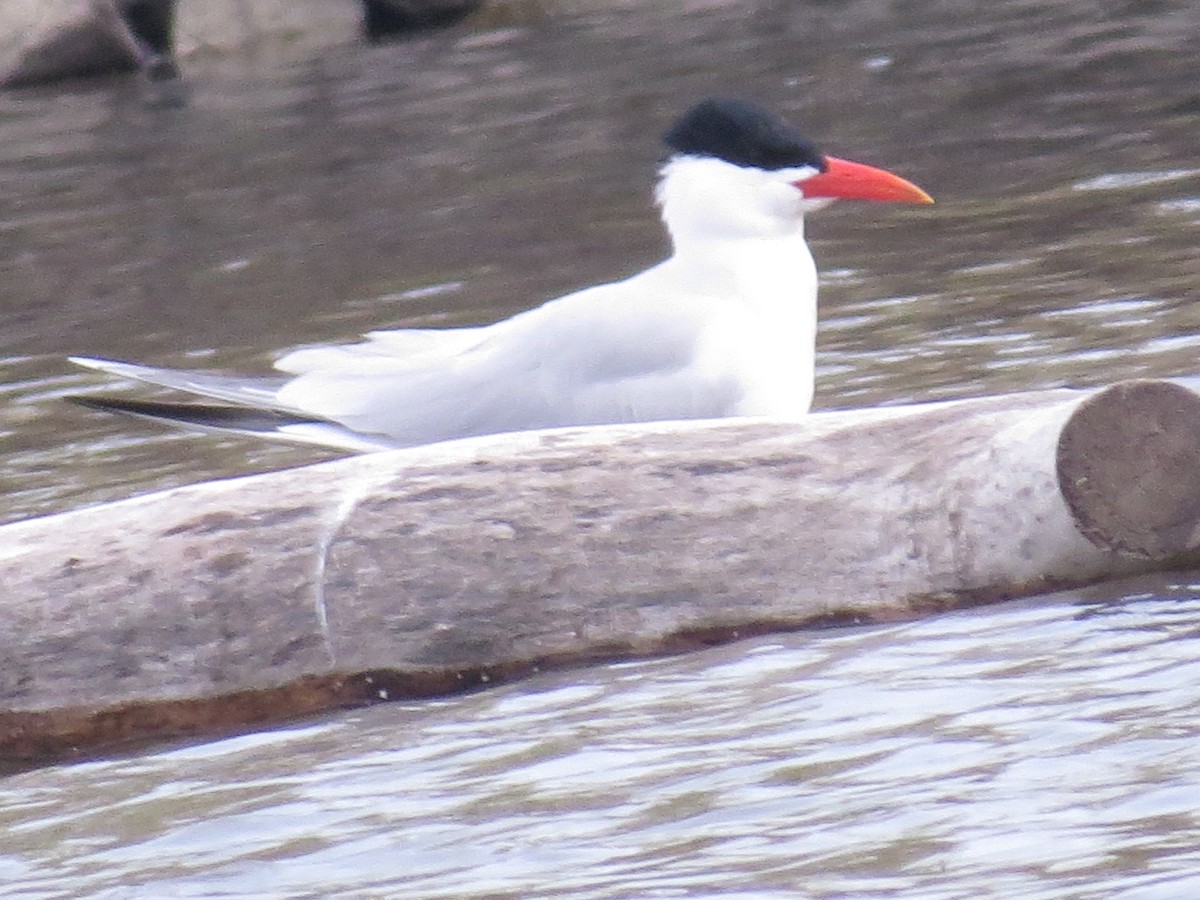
(724, 327)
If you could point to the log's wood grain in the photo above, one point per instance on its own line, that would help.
(1127, 465)
(424, 571)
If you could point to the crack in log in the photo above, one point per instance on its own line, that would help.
(341, 512)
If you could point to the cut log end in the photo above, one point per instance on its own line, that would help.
(1128, 465)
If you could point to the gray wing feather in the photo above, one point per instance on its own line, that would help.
(261, 392)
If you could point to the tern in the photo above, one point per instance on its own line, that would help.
(726, 326)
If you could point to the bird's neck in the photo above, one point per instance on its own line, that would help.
(765, 273)
(737, 232)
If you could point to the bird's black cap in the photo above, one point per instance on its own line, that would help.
(743, 134)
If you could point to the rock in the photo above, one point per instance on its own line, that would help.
(59, 39)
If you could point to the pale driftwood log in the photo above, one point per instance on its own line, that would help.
(429, 570)
(1127, 468)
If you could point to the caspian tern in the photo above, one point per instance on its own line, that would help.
(724, 327)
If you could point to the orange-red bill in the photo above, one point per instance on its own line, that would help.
(847, 180)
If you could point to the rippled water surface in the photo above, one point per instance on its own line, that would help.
(1035, 750)
(307, 194)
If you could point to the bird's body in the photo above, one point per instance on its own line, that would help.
(724, 327)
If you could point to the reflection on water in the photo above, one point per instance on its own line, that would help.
(309, 195)
(1034, 750)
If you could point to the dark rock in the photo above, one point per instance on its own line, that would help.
(383, 19)
(97, 38)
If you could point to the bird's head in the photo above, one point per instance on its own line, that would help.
(735, 170)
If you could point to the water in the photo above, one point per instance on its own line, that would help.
(310, 193)
(306, 195)
(1033, 750)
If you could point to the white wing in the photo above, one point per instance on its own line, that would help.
(382, 350)
(614, 353)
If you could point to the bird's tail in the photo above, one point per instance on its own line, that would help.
(196, 415)
(229, 419)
